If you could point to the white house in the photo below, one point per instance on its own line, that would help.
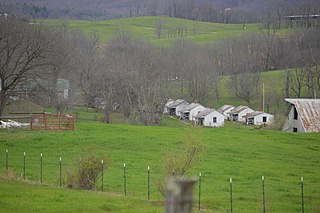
(258, 118)
(304, 116)
(225, 110)
(189, 111)
(210, 118)
(237, 113)
(174, 107)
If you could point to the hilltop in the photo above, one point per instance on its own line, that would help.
(146, 28)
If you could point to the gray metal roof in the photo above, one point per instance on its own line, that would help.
(189, 107)
(238, 109)
(204, 113)
(255, 113)
(308, 112)
(176, 103)
(225, 108)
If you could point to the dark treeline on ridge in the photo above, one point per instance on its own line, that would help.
(223, 11)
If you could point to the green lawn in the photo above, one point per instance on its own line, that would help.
(234, 151)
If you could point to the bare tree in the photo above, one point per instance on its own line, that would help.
(159, 27)
(23, 49)
(90, 62)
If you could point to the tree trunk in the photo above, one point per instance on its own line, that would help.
(3, 98)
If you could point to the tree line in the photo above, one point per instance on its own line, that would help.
(135, 78)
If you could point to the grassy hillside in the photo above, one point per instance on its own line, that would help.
(243, 153)
(144, 28)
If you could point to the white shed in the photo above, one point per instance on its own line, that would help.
(258, 118)
(237, 113)
(225, 110)
(209, 118)
(173, 108)
(189, 111)
(166, 106)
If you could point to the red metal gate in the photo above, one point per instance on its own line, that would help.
(52, 122)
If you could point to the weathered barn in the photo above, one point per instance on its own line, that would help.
(237, 113)
(209, 118)
(225, 110)
(189, 111)
(258, 118)
(304, 115)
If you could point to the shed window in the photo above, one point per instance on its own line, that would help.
(295, 114)
(264, 119)
(295, 129)
(214, 120)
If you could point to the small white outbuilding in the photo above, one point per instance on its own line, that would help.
(258, 118)
(189, 111)
(225, 109)
(209, 118)
(237, 113)
(173, 107)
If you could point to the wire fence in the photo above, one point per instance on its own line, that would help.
(59, 165)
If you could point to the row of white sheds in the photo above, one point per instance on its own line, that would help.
(201, 115)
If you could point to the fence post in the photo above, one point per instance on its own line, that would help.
(179, 197)
(41, 168)
(263, 196)
(7, 156)
(148, 183)
(199, 191)
(60, 170)
(59, 121)
(231, 195)
(24, 165)
(302, 196)
(124, 180)
(102, 174)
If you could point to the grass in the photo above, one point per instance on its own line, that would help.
(234, 151)
(144, 28)
(25, 197)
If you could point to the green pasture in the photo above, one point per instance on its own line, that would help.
(28, 197)
(144, 28)
(236, 151)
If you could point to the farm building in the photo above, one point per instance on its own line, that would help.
(166, 106)
(258, 118)
(210, 118)
(173, 107)
(304, 116)
(225, 110)
(237, 113)
(189, 111)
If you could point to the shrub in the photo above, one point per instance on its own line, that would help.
(86, 174)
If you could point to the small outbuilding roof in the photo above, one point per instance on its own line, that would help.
(254, 114)
(189, 107)
(204, 113)
(225, 108)
(176, 103)
(238, 109)
(309, 113)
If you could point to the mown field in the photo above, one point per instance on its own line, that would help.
(236, 151)
(145, 27)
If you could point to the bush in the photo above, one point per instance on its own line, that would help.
(86, 174)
